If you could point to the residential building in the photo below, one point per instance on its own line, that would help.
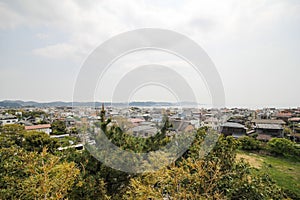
(8, 119)
(233, 129)
(46, 128)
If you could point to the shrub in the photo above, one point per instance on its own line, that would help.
(249, 143)
(217, 176)
(283, 147)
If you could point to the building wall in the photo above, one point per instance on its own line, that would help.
(8, 121)
(271, 132)
(233, 131)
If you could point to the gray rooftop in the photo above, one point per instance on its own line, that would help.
(233, 125)
(269, 126)
(268, 121)
(144, 128)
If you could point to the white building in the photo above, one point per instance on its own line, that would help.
(8, 119)
(46, 128)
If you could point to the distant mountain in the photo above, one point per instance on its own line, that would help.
(20, 104)
(10, 104)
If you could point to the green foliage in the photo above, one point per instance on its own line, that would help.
(94, 178)
(11, 135)
(58, 127)
(128, 142)
(249, 144)
(283, 147)
(35, 113)
(286, 173)
(136, 144)
(68, 140)
(28, 171)
(287, 131)
(32, 175)
(165, 127)
(37, 141)
(29, 140)
(73, 130)
(11, 129)
(217, 176)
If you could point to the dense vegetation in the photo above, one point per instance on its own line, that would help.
(32, 168)
(279, 147)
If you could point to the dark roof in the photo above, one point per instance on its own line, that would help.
(268, 121)
(233, 125)
(144, 128)
(179, 125)
(269, 126)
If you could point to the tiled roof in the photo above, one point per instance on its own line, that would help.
(295, 119)
(136, 120)
(40, 126)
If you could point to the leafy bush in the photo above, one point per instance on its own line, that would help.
(58, 127)
(217, 176)
(32, 175)
(283, 147)
(249, 144)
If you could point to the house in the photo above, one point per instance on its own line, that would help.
(295, 126)
(284, 115)
(181, 126)
(267, 121)
(46, 128)
(267, 128)
(270, 129)
(144, 131)
(70, 121)
(233, 129)
(8, 119)
(136, 121)
(211, 122)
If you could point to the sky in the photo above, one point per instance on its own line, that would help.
(254, 45)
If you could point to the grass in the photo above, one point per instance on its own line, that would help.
(286, 173)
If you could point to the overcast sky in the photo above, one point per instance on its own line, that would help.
(255, 45)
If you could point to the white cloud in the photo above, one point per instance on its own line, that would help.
(58, 51)
(8, 17)
(90, 23)
(42, 36)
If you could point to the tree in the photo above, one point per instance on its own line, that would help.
(37, 141)
(32, 175)
(11, 134)
(283, 147)
(58, 127)
(11, 129)
(217, 176)
(249, 143)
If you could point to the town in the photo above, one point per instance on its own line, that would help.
(62, 122)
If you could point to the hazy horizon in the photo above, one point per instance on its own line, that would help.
(205, 106)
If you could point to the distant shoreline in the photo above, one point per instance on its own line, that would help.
(22, 104)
